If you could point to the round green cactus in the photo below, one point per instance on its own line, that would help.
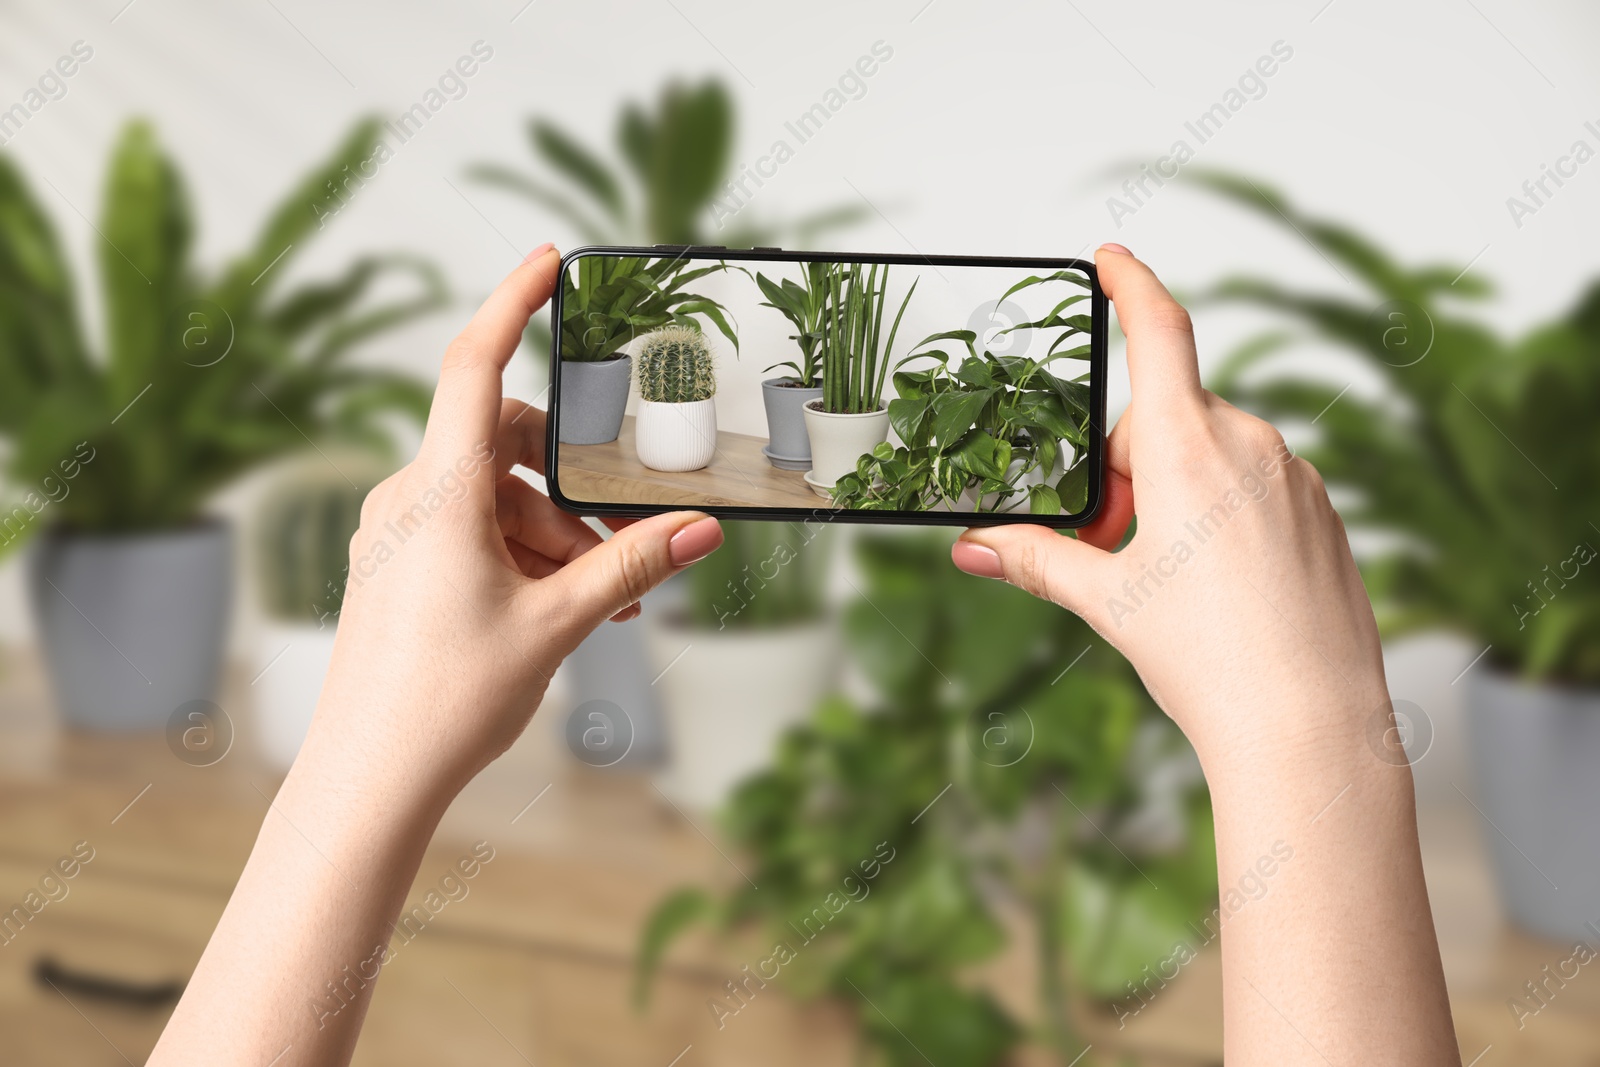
(674, 365)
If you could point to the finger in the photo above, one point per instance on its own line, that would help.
(614, 576)
(528, 517)
(519, 440)
(1110, 524)
(1042, 561)
(466, 404)
(1163, 368)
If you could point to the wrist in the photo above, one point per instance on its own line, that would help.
(1299, 761)
(341, 780)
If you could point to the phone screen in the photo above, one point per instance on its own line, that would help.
(772, 385)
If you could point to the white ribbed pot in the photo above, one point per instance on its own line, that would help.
(729, 697)
(288, 683)
(838, 441)
(675, 437)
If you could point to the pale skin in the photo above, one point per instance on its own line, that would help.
(1251, 628)
(1261, 647)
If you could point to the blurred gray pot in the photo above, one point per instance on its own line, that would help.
(593, 396)
(1535, 749)
(788, 444)
(132, 626)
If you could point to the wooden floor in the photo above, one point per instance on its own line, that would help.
(737, 476)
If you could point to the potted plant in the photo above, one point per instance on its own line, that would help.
(1481, 456)
(744, 653)
(673, 164)
(612, 301)
(675, 161)
(303, 528)
(202, 376)
(850, 419)
(785, 397)
(676, 428)
(939, 814)
(993, 433)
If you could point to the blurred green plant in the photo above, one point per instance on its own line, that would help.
(202, 377)
(303, 528)
(766, 575)
(1002, 782)
(675, 162)
(985, 425)
(1461, 456)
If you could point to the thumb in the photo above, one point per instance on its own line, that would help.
(1047, 564)
(613, 576)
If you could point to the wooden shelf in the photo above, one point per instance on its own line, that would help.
(737, 476)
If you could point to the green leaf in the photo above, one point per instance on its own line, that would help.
(568, 157)
(675, 914)
(982, 455)
(1043, 500)
(143, 260)
(954, 414)
(1073, 488)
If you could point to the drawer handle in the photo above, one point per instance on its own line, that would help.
(47, 972)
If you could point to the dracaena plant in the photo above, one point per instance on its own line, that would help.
(805, 306)
(608, 301)
(675, 159)
(1480, 453)
(1000, 430)
(674, 169)
(200, 375)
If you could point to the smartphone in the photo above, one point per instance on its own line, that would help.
(857, 387)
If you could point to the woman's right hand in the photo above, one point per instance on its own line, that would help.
(1237, 600)
(1241, 607)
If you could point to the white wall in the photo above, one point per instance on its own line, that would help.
(993, 128)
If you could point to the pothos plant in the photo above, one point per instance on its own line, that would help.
(1002, 429)
(951, 800)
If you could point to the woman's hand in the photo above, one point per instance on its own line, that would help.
(1238, 589)
(468, 586)
(1239, 603)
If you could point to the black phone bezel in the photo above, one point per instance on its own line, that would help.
(1099, 309)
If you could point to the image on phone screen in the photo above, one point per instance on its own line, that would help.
(768, 384)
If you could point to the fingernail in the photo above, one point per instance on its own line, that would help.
(976, 559)
(1113, 247)
(537, 252)
(694, 542)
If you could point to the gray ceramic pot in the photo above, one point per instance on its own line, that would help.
(132, 626)
(788, 444)
(615, 720)
(1535, 750)
(593, 396)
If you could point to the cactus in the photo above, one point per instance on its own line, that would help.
(303, 532)
(674, 365)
